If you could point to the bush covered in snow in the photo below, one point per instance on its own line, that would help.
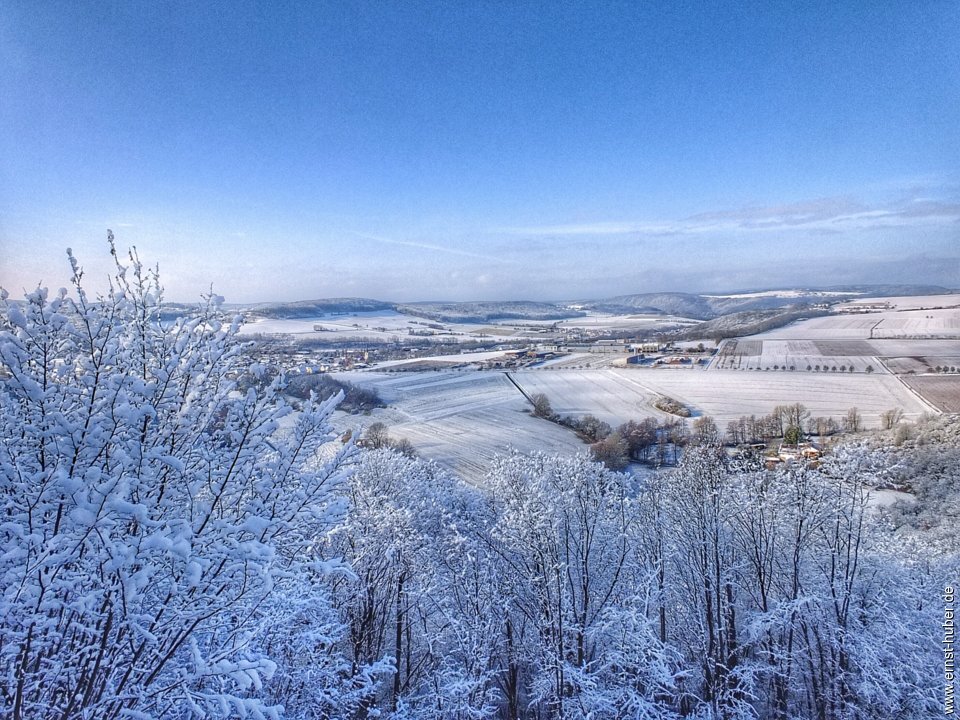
(154, 524)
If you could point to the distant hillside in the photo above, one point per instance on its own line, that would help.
(893, 290)
(709, 306)
(469, 312)
(689, 305)
(172, 311)
(680, 304)
(748, 322)
(313, 308)
(697, 307)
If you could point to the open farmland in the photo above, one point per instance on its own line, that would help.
(824, 328)
(609, 322)
(915, 341)
(907, 302)
(919, 364)
(943, 392)
(618, 395)
(390, 325)
(919, 324)
(460, 419)
(611, 395)
(797, 355)
(908, 324)
(463, 418)
(380, 324)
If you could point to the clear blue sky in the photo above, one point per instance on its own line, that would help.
(467, 150)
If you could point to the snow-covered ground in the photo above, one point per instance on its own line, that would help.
(459, 359)
(389, 324)
(461, 420)
(784, 294)
(381, 323)
(887, 497)
(908, 302)
(599, 321)
(749, 354)
(616, 395)
(941, 323)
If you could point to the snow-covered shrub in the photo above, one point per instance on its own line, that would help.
(151, 516)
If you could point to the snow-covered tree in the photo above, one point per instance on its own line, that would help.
(150, 514)
(583, 642)
(423, 588)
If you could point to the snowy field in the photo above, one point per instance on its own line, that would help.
(460, 359)
(823, 355)
(389, 325)
(602, 322)
(460, 419)
(919, 324)
(797, 355)
(381, 324)
(783, 294)
(825, 328)
(619, 395)
(938, 323)
(909, 302)
(901, 342)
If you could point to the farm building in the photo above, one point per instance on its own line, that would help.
(803, 451)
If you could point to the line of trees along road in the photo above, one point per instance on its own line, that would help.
(167, 550)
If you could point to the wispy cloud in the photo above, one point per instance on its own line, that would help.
(597, 228)
(429, 246)
(823, 215)
(792, 213)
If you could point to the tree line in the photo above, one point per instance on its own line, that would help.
(660, 442)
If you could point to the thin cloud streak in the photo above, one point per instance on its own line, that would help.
(825, 214)
(428, 246)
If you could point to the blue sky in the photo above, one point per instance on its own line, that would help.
(481, 150)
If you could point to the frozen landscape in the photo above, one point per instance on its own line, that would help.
(479, 360)
(461, 409)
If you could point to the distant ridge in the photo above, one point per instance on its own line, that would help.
(707, 306)
(485, 311)
(697, 306)
(312, 308)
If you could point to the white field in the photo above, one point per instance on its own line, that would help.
(838, 352)
(575, 361)
(825, 328)
(599, 321)
(911, 341)
(463, 418)
(591, 322)
(382, 324)
(460, 359)
(774, 355)
(616, 395)
(910, 302)
(388, 324)
(919, 324)
(784, 294)
(942, 323)
(460, 419)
